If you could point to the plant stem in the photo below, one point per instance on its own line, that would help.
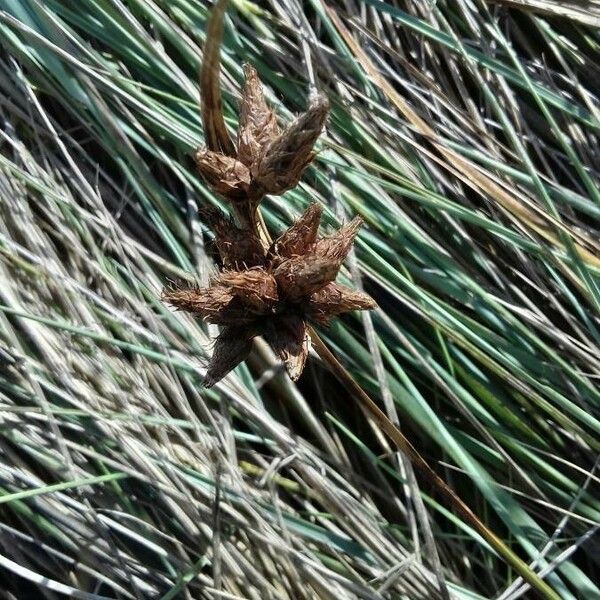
(402, 443)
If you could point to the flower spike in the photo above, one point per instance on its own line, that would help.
(289, 286)
(273, 289)
(265, 161)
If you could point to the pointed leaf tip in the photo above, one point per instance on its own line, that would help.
(299, 238)
(336, 299)
(232, 346)
(338, 244)
(258, 125)
(283, 161)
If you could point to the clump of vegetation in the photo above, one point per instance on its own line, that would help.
(463, 135)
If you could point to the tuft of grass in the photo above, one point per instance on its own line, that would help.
(466, 136)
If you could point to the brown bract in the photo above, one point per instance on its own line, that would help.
(281, 163)
(226, 175)
(266, 160)
(238, 248)
(274, 292)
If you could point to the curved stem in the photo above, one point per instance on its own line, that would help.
(211, 103)
(402, 443)
(249, 216)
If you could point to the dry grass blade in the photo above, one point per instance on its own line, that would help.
(468, 172)
(586, 12)
(121, 476)
(421, 465)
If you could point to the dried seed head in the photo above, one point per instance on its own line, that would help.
(301, 276)
(288, 336)
(232, 347)
(290, 285)
(255, 288)
(238, 248)
(276, 160)
(299, 238)
(338, 244)
(270, 292)
(335, 299)
(226, 175)
(258, 126)
(283, 161)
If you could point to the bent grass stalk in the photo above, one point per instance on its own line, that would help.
(404, 445)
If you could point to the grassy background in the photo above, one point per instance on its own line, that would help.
(466, 135)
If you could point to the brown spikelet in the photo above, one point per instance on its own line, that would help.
(258, 125)
(283, 161)
(232, 347)
(255, 288)
(335, 299)
(213, 304)
(338, 244)
(215, 132)
(238, 248)
(298, 238)
(226, 176)
(302, 276)
(289, 339)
